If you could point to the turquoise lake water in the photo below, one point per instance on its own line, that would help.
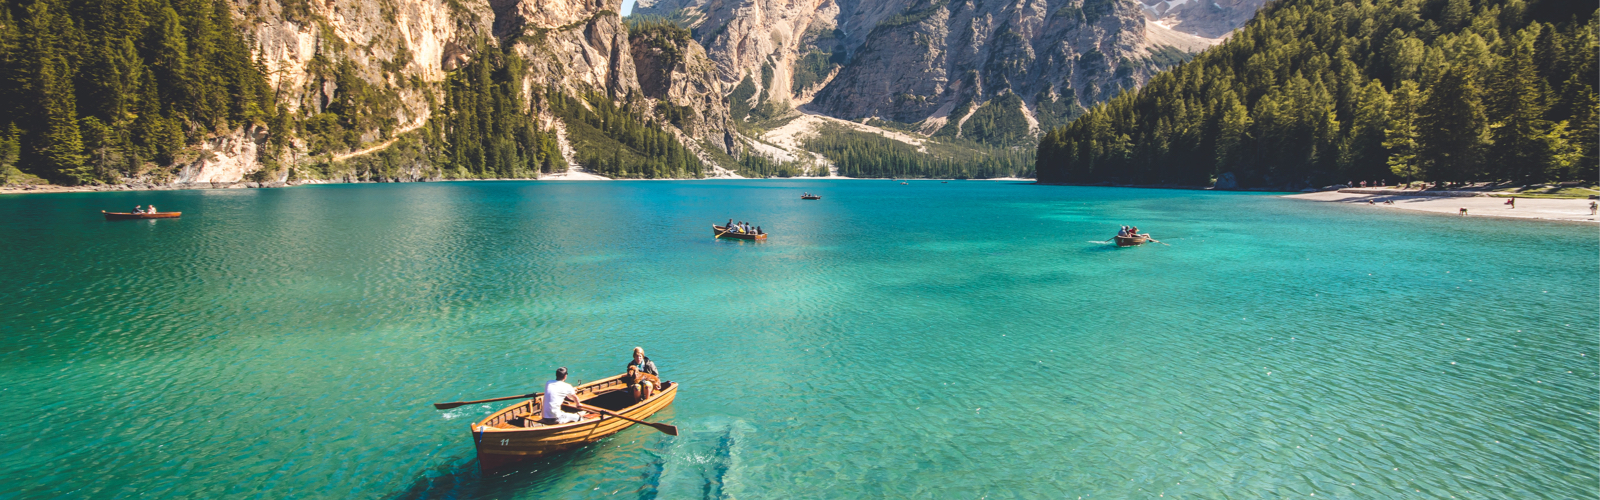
(930, 340)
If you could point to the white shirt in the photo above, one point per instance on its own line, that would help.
(555, 391)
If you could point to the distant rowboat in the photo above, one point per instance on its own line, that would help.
(128, 215)
(514, 434)
(715, 229)
(1130, 241)
(810, 197)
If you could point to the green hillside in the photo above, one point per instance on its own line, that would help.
(92, 91)
(1313, 92)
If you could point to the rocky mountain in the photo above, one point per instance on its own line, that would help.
(932, 64)
(1208, 19)
(363, 90)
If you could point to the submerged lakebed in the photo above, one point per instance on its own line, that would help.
(928, 340)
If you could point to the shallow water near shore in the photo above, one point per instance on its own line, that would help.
(931, 340)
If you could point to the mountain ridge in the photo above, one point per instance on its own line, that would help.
(406, 90)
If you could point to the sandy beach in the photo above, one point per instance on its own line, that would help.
(1574, 210)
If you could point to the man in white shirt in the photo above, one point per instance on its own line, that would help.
(555, 392)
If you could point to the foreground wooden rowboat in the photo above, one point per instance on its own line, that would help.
(129, 215)
(1131, 241)
(514, 434)
(715, 229)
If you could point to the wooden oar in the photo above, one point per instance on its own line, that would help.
(446, 406)
(670, 430)
(724, 230)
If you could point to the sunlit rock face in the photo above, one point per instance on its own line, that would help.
(1204, 18)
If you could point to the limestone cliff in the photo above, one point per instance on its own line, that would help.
(940, 61)
(357, 74)
(932, 62)
(1204, 18)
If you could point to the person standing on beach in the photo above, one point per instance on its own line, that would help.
(1594, 207)
(1512, 202)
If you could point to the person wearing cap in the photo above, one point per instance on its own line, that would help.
(556, 393)
(643, 379)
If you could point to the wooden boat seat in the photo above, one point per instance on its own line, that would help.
(533, 420)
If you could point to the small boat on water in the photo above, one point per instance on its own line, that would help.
(810, 197)
(131, 215)
(1130, 241)
(514, 434)
(725, 233)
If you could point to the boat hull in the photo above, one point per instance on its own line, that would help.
(1130, 241)
(132, 216)
(501, 444)
(810, 197)
(715, 230)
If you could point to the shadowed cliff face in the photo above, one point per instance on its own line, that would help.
(675, 70)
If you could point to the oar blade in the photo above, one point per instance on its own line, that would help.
(446, 406)
(670, 430)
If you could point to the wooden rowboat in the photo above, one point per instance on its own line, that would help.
(1130, 241)
(129, 215)
(810, 197)
(514, 434)
(715, 229)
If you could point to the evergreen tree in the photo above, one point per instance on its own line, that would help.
(1365, 156)
(1523, 142)
(98, 88)
(1312, 92)
(1452, 130)
(59, 148)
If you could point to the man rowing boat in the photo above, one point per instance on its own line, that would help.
(556, 393)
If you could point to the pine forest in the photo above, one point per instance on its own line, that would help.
(96, 90)
(1317, 92)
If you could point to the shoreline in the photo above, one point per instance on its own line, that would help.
(564, 177)
(1544, 209)
(1571, 210)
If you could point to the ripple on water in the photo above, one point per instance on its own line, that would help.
(977, 341)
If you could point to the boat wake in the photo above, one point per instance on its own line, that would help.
(703, 462)
(466, 411)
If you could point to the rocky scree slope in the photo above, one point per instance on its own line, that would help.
(931, 63)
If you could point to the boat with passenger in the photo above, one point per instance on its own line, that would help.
(1131, 241)
(140, 215)
(810, 197)
(1129, 236)
(724, 232)
(516, 433)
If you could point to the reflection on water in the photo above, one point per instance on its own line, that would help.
(927, 340)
